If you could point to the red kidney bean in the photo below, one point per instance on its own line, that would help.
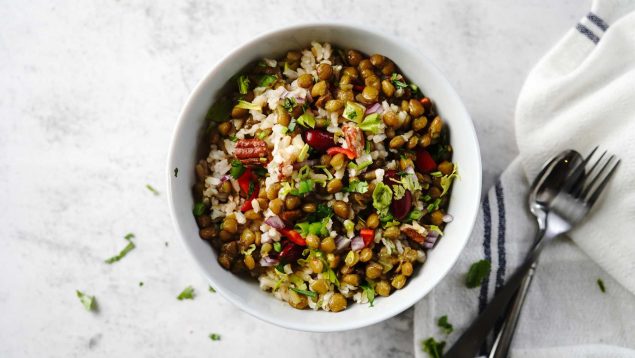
(319, 139)
(400, 208)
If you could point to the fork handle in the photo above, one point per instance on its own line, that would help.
(503, 341)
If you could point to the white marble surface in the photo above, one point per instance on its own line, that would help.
(89, 95)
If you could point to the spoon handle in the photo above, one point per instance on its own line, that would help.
(503, 341)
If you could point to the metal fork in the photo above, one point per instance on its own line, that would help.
(580, 192)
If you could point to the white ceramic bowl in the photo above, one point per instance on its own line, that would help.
(463, 205)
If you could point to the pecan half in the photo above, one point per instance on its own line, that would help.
(413, 234)
(252, 151)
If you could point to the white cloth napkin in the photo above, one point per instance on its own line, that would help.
(581, 94)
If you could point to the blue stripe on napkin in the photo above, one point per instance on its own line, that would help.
(597, 21)
(487, 251)
(502, 260)
(588, 33)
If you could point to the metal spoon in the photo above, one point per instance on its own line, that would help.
(544, 188)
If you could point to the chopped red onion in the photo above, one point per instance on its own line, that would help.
(357, 243)
(447, 218)
(267, 261)
(341, 243)
(375, 108)
(275, 222)
(224, 178)
(431, 239)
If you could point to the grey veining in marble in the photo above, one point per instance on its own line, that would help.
(90, 93)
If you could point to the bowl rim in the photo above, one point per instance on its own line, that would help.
(389, 311)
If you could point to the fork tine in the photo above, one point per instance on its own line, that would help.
(577, 186)
(593, 176)
(579, 189)
(593, 196)
(576, 177)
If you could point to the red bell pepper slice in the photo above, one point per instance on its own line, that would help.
(424, 161)
(293, 236)
(349, 153)
(244, 181)
(367, 235)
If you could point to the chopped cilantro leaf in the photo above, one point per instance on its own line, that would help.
(243, 84)
(233, 138)
(214, 337)
(212, 289)
(237, 169)
(152, 189)
(186, 294)
(601, 285)
(288, 104)
(304, 292)
(86, 300)
(397, 82)
(125, 250)
(176, 172)
(477, 273)
(433, 348)
(445, 326)
(141, 284)
(199, 209)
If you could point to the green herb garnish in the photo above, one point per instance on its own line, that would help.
(211, 289)
(233, 138)
(477, 273)
(601, 285)
(199, 209)
(304, 292)
(382, 197)
(152, 189)
(141, 284)
(306, 120)
(277, 246)
(414, 215)
(446, 180)
(357, 186)
(369, 290)
(219, 111)
(433, 348)
(305, 186)
(248, 105)
(372, 123)
(445, 326)
(398, 83)
(237, 169)
(176, 172)
(288, 105)
(214, 337)
(267, 80)
(243, 84)
(354, 111)
(125, 250)
(186, 294)
(86, 300)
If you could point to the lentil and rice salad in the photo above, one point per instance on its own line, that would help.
(327, 177)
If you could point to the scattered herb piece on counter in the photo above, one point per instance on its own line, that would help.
(445, 326)
(141, 284)
(214, 337)
(601, 285)
(433, 348)
(166, 244)
(212, 289)
(176, 172)
(186, 294)
(477, 273)
(152, 189)
(125, 250)
(86, 300)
